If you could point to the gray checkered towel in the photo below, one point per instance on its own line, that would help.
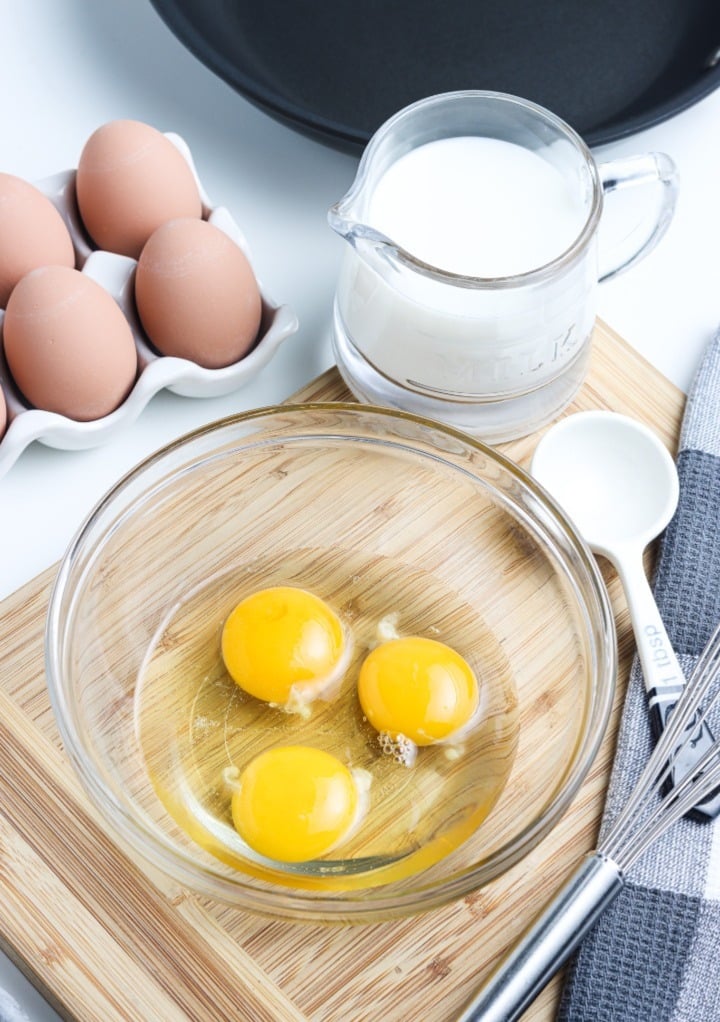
(654, 955)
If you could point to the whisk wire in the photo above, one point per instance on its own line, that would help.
(691, 790)
(647, 814)
(683, 725)
(633, 820)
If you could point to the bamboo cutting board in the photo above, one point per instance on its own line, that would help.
(105, 939)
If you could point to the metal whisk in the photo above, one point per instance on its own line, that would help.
(600, 877)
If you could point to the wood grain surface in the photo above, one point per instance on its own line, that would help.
(105, 939)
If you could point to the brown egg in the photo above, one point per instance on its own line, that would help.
(196, 294)
(32, 233)
(131, 179)
(68, 346)
(3, 413)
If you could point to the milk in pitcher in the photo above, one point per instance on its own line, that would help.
(467, 292)
(485, 210)
(477, 206)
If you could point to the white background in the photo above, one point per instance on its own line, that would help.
(67, 66)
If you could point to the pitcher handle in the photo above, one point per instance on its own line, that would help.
(656, 174)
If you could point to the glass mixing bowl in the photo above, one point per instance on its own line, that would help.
(377, 511)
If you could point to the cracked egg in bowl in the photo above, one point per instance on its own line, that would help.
(330, 662)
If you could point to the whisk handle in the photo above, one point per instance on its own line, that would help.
(548, 943)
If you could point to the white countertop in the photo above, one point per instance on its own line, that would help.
(69, 66)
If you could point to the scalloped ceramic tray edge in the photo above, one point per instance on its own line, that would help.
(116, 274)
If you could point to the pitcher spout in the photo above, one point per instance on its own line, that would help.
(341, 217)
(371, 245)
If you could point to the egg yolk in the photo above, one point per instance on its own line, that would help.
(294, 803)
(417, 687)
(280, 641)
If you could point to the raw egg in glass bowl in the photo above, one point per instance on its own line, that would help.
(330, 662)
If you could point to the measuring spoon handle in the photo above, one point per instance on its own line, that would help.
(662, 673)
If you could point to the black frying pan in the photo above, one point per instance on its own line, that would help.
(336, 69)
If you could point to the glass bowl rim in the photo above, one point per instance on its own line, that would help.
(364, 904)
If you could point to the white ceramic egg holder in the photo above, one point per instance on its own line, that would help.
(116, 273)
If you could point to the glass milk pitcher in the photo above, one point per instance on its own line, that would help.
(495, 355)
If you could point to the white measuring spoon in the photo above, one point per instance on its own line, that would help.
(619, 485)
